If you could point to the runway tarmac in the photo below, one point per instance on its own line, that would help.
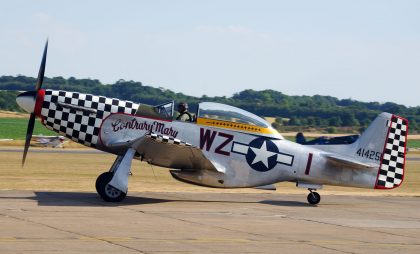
(151, 222)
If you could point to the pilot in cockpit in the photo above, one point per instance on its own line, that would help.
(184, 115)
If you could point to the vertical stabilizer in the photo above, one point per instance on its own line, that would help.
(391, 170)
(382, 145)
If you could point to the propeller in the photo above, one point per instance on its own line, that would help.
(34, 95)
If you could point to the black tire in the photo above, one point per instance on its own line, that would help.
(106, 191)
(314, 198)
(103, 179)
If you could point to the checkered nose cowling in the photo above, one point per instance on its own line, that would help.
(391, 171)
(79, 116)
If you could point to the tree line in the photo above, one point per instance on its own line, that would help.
(304, 111)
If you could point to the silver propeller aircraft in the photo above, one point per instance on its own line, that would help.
(52, 141)
(223, 147)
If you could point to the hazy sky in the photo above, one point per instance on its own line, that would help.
(364, 50)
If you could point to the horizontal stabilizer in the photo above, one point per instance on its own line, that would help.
(347, 162)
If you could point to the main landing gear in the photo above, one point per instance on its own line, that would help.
(313, 197)
(112, 186)
(106, 191)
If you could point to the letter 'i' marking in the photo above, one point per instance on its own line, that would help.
(308, 164)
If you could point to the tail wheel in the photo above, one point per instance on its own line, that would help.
(106, 191)
(313, 198)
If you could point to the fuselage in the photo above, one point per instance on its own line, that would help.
(244, 157)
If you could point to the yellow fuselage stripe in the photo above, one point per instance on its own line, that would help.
(235, 126)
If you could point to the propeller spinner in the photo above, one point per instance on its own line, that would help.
(28, 101)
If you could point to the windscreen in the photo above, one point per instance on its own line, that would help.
(163, 111)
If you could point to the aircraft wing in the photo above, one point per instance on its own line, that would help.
(347, 162)
(169, 152)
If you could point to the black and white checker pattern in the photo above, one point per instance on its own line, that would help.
(166, 139)
(79, 116)
(391, 170)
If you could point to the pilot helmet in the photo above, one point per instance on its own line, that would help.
(182, 106)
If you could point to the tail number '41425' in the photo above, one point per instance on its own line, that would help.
(369, 154)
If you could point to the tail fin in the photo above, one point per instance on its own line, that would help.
(391, 171)
(384, 141)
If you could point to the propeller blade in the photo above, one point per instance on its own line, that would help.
(38, 86)
(42, 68)
(29, 132)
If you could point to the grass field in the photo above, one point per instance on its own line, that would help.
(414, 143)
(62, 172)
(15, 128)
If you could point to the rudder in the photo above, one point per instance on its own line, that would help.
(391, 169)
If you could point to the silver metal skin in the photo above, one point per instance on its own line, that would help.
(205, 154)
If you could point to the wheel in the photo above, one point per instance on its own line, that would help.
(102, 178)
(314, 198)
(106, 191)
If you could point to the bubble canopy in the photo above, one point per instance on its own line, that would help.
(223, 112)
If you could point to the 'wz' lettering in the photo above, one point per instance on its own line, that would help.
(207, 137)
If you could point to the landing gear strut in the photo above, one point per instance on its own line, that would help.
(112, 186)
(313, 197)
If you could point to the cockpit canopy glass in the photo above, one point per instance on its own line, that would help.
(222, 112)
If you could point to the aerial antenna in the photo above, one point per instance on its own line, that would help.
(153, 170)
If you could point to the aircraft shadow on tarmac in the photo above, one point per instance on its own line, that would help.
(46, 198)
